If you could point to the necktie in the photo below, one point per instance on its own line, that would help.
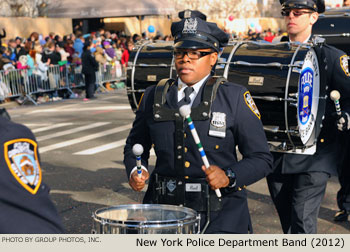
(186, 100)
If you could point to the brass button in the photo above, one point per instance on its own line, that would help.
(239, 189)
(186, 150)
(244, 187)
(322, 140)
(185, 135)
(187, 164)
(217, 147)
(187, 177)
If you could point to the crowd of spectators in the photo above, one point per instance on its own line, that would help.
(38, 52)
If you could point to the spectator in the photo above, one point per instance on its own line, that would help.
(63, 53)
(3, 60)
(90, 66)
(3, 35)
(69, 49)
(12, 46)
(99, 56)
(126, 54)
(109, 51)
(9, 55)
(269, 36)
(50, 53)
(79, 44)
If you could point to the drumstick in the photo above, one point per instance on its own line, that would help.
(185, 112)
(335, 96)
(137, 149)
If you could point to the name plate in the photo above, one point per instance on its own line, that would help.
(193, 187)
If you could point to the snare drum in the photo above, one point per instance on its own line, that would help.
(287, 86)
(146, 219)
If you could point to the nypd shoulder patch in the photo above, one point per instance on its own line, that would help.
(344, 63)
(21, 156)
(251, 104)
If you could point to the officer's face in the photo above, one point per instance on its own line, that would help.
(190, 71)
(299, 21)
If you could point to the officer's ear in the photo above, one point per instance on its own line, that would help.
(213, 58)
(313, 18)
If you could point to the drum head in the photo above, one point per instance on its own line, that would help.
(309, 93)
(145, 215)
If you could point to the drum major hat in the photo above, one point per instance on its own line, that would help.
(194, 32)
(315, 5)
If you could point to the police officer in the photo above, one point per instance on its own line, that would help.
(224, 115)
(25, 203)
(298, 182)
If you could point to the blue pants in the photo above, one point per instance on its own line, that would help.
(297, 198)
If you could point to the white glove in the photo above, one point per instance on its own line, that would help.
(343, 121)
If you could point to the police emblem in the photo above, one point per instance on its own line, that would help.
(190, 26)
(21, 156)
(251, 104)
(345, 64)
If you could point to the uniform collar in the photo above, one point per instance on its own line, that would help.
(181, 87)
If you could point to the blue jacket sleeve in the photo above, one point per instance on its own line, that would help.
(250, 137)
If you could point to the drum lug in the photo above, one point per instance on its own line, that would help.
(296, 70)
(293, 104)
(295, 95)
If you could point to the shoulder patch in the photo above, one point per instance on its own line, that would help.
(251, 104)
(21, 156)
(344, 63)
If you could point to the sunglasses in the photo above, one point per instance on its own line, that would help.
(193, 55)
(296, 13)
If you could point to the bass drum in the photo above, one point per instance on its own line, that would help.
(288, 88)
(145, 219)
(150, 62)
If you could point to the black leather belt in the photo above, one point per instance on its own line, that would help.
(196, 193)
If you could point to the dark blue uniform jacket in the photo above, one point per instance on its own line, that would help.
(243, 129)
(22, 210)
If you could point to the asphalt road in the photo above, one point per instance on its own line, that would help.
(81, 148)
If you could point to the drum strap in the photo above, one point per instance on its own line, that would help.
(161, 112)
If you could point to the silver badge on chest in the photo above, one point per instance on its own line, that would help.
(218, 125)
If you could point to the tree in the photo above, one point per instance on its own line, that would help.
(26, 8)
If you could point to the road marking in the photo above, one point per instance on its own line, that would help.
(102, 148)
(84, 139)
(105, 147)
(71, 131)
(118, 107)
(30, 125)
(54, 126)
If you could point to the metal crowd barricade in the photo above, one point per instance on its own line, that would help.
(28, 82)
(75, 76)
(11, 83)
(109, 73)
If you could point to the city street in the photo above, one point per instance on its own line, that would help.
(81, 148)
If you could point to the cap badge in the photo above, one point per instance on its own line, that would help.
(187, 14)
(190, 26)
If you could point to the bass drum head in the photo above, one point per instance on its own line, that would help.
(308, 98)
(146, 219)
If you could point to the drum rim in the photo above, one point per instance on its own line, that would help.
(148, 224)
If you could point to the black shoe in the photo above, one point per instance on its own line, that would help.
(341, 215)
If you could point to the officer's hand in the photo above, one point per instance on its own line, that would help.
(137, 183)
(343, 121)
(216, 177)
